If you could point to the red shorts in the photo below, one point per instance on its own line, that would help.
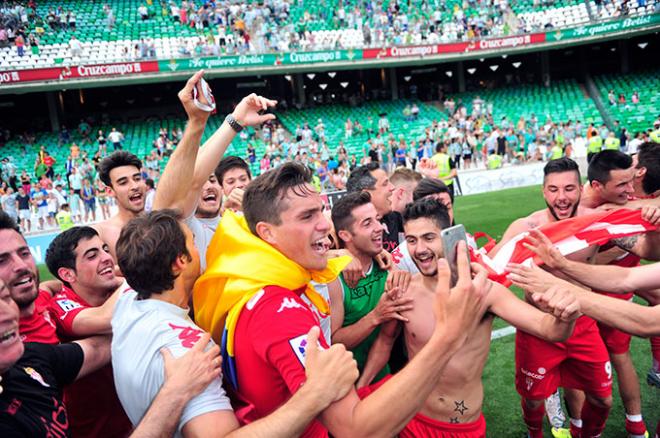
(616, 341)
(423, 426)
(581, 362)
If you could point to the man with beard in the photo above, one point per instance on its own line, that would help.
(357, 312)
(21, 276)
(82, 262)
(189, 183)
(454, 407)
(582, 361)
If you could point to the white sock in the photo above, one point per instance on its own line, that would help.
(577, 422)
(634, 418)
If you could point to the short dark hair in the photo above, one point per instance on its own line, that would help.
(61, 251)
(342, 210)
(361, 178)
(429, 186)
(150, 183)
(648, 156)
(560, 165)
(427, 208)
(8, 223)
(263, 200)
(606, 161)
(228, 163)
(146, 249)
(116, 159)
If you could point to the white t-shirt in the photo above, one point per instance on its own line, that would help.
(324, 320)
(140, 329)
(203, 230)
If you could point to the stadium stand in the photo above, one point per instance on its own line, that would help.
(562, 101)
(635, 116)
(114, 30)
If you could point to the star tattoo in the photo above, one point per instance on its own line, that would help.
(453, 420)
(460, 407)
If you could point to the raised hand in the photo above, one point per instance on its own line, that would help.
(397, 280)
(458, 310)
(539, 244)
(247, 111)
(388, 308)
(186, 98)
(530, 278)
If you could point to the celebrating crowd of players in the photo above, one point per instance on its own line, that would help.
(126, 341)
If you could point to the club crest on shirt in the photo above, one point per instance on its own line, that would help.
(299, 347)
(68, 305)
(36, 376)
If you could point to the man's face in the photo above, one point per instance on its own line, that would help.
(209, 201)
(562, 192)
(128, 188)
(94, 270)
(11, 347)
(381, 194)
(303, 218)
(17, 268)
(366, 232)
(619, 188)
(424, 244)
(236, 177)
(192, 269)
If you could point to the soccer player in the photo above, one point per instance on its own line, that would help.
(157, 255)
(33, 375)
(610, 180)
(454, 406)
(19, 273)
(582, 361)
(357, 312)
(83, 307)
(270, 329)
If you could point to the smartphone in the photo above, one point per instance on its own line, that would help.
(450, 238)
(206, 92)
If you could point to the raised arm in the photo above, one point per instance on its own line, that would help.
(176, 181)
(96, 351)
(96, 320)
(646, 246)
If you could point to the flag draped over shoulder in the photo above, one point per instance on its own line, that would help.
(569, 236)
(239, 264)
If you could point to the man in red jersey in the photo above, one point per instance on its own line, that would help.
(19, 272)
(82, 262)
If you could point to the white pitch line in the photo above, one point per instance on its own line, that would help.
(500, 333)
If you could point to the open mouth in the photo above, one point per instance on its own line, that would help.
(563, 210)
(107, 272)
(424, 261)
(9, 336)
(24, 280)
(135, 198)
(210, 197)
(321, 246)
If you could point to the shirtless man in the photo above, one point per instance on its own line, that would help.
(120, 172)
(454, 406)
(582, 361)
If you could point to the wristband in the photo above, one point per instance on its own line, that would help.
(231, 121)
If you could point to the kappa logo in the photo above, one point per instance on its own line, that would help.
(289, 303)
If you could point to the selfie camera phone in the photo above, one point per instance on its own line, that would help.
(206, 92)
(450, 238)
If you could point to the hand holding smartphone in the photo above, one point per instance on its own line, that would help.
(450, 238)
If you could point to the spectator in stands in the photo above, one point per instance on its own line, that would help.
(109, 16)
(635, 98)
(116, 138)
(4, 38)
(19, 42)
(72, 19)
(9, 203)
(88, 197)
(143, 12)
(611, 97)
(75, 47)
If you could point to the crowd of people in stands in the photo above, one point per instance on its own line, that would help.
(284, 292)
(226, 27)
